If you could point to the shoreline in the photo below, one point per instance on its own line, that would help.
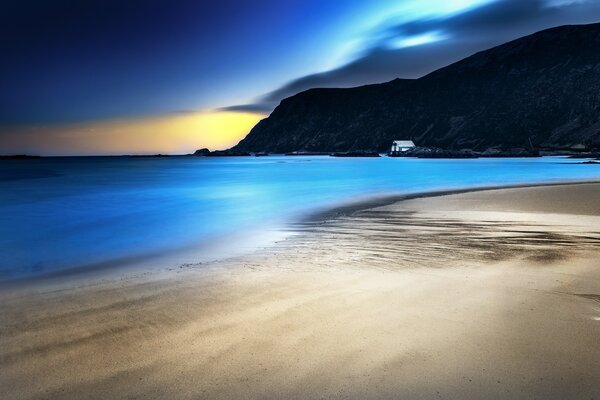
(111, 270)
(486, 294)
(379, 201)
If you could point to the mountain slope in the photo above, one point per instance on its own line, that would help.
(543, 88)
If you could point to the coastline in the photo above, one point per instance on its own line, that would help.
(136, 266)
(474, 293)
(170, 210)
(379, 201)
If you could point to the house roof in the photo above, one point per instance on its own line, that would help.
(404, 143)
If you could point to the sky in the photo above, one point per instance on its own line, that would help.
(139, 77)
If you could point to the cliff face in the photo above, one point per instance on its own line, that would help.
(542, 89)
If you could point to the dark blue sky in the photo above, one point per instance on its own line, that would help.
(73, 61)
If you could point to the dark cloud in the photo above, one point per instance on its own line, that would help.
(253, 107)
(463, 34)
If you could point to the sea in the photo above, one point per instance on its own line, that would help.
(70, 215)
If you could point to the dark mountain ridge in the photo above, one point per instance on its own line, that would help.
(539, 91)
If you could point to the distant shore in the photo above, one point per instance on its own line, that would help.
(481, 294)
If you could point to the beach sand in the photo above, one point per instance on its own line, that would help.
(492, 294)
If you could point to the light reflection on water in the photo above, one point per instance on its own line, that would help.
(63, 213)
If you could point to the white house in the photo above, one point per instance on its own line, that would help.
(400, 146)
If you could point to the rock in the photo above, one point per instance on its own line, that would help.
(515, 152)
(307, 153)
(426, 152)
(202, 152)
(586, 155)
(228, 153)
(356, 154)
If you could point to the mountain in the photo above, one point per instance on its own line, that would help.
(541, 90)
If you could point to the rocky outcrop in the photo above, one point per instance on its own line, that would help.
(359, 154)
(221, 153)
(202, 152)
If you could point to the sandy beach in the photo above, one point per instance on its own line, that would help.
(490, 294)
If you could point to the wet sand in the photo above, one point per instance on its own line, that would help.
(489, 294)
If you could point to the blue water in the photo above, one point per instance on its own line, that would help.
(60, 214)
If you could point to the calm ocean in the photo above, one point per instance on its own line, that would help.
(69, 214)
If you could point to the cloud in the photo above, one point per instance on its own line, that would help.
(454, 37)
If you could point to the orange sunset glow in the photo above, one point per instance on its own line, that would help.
(169, 134)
